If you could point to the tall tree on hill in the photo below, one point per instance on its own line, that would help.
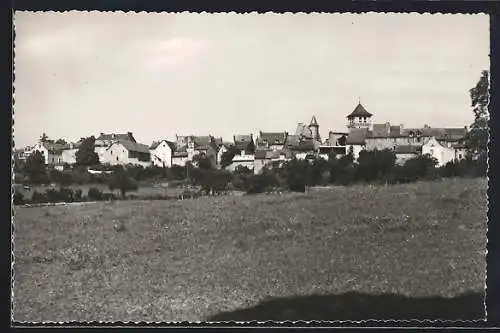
(44, 138)
(477, 137)
(86, 156)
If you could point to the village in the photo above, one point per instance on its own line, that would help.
(257, 151)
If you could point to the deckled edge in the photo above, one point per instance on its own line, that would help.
(229, 323)
(12, 174)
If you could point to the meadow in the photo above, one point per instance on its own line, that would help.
(214, 257)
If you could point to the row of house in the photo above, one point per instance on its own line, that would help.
(269, 148)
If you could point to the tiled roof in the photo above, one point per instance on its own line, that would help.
(113, 136)
(260, 154)
(157, 143)
(273, 137)
(407, 149)
(180, 154)
(357, 136)
(134, 146)
(446, 134)
(359, 111)
(55, 147)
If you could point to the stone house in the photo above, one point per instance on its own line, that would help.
(127, 152)
(441, 152)
(243, 159)
(161, 153)
(104, 141)
(271, 140)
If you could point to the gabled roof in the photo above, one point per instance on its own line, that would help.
(273, 137)
(133, 146)
(445, 134)
(55, 147)
(359, 111)
(113, 136)
(260, 154)
(357, 136)
(157, 143)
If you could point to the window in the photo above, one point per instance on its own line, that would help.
(117, 158)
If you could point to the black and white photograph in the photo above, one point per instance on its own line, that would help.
(220, 167)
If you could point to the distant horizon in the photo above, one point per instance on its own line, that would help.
(157, 75)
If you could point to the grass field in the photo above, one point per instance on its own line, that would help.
(142, 191)
(285, 255)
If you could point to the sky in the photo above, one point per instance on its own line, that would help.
(157, 75)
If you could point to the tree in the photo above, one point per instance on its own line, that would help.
(477, 138)
(35, 166)
(227, 156)
(86, 156)
(120, 181)
(44, 138)
(202, 161)
(375, 165)
(61, 142)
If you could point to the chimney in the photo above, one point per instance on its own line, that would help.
(401, 127)
(388, 128)
(113, 135)
(426, 126)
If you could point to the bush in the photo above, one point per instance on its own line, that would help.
(18, 198)
(261, 183)
(120, 181)
(178, 172)
(94, 194)
(375, 165)
(77, 195)
(38, 197)
(108, 196)
(211, 180)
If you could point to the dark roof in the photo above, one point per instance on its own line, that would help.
(445, 134)
(261, 154)
(359, 111)
(273, 137)
(243, 141)
(55, 147)
(180, 154)
(314, 122)
(407, 149)
(112, 136)
(357, 136)
(157, 143)
(134, 146)
(380, 130)
(303, 146)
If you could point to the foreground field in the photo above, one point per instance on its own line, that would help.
(195, 259)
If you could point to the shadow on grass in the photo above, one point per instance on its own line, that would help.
(359, 306)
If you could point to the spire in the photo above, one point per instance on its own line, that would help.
(314, 122)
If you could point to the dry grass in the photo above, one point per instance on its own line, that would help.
(192, 259)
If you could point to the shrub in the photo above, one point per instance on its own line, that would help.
(375, 165)
(178, 172)
(108, 196)
(18, 198)
(261, 182)
(120, 181)
(94, 194)
(38, 197)
(77, 195)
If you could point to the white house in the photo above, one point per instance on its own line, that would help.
(104, 141)
(127, 152)
(69, 154)
(442, 153)
(180, 158)
(52, 152)
(243, 159)
(161, 153)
